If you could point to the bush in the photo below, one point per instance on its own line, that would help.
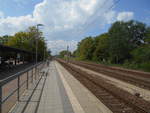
(145, 66)
(141, 54)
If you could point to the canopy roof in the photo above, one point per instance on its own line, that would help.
(12, 49)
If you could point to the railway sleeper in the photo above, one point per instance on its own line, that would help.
(86, 77)
(128, 110)
(112, 101)
(141, 83)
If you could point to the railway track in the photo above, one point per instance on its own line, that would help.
(140, 79)
(116, 99)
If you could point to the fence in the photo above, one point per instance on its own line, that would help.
(12, 87)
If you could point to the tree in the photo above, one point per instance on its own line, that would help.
(4, 39)
(136, 32)
(64, 54)
(85, 48)
(124, 37)
(141, 54)
(19, 40)
(101, 48)
(147, 39)
(27, 41)
(74, 54)
(125, 43)
(118, 43)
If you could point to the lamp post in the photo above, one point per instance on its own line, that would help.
(67, 54)
(44, 54)
(37, 41)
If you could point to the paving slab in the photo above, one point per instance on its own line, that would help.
(59, 92)
(29, 100)
(54, 98)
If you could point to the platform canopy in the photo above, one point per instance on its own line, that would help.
(4, 48)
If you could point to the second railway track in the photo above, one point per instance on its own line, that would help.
(116, 99)
(136, 78)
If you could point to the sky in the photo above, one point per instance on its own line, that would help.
(66, 22)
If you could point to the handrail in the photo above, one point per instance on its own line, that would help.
(17, 75)
(6, 80)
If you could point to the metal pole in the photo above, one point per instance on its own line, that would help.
(44, 56)
(37, 45)
(67, 53)
(32, 76)
(35, 72)
(37, 41)
(27, 79)
(0, 98)
(23, 58)
(38, 72)
(18, 91)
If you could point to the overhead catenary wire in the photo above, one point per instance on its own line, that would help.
(86, 24)
(89, 24)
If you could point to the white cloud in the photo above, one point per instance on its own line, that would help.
(11, 25)
(64, 19)
(58, 15)
(59, 45)
(125, 16)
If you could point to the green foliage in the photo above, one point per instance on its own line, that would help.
(19, 40)
(118, 42)
(101, 49)
(27, 41)
(145, 66)
(86, 48)
(64, 54)
(137, 32)
(141, 54)
(124, 37)
(147, 38)
(126, 44)
(4, 39)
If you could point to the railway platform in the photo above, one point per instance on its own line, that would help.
(58, 92)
